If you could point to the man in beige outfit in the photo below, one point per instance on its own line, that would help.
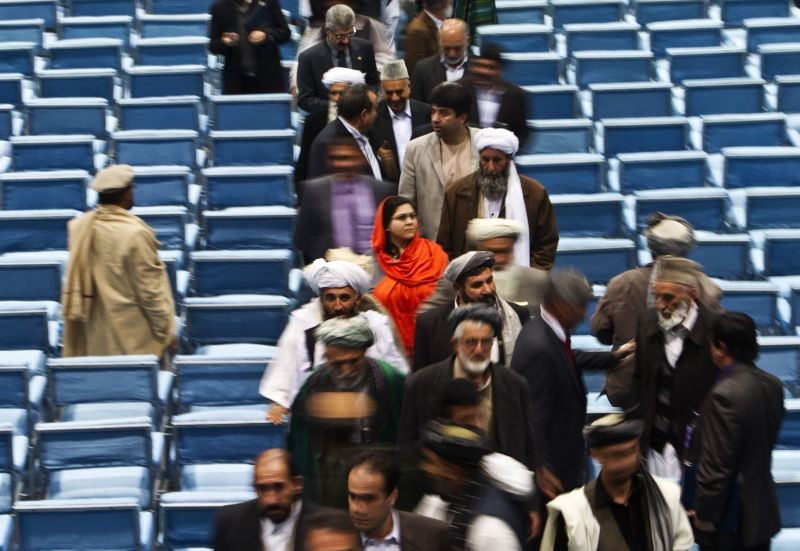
(116, 297)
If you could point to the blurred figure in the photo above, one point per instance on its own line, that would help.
(275, 519)
(447, 65)
(372, 493)
(247, 35)
(422, 32)
(398, 116)
(412, 265)
(729, 486)
(349, 403)
(331, 531)
(496, 190)
(458, 402)
(624, 507)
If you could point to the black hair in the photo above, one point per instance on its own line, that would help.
(353, 100)
(737, 331)
(490, 51)
(456, 393)
(331, 520)
(389, 208)
(451, 95)
(380, 463)
(111, 197)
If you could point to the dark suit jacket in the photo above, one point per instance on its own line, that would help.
(513, 113)
(382, 130)
(238, 527)
(314, 234)
(315, 61)
(418, 533)
(737, 429)
(692, 378)
(511, 405)
(422, 40)
(558, 398)
(314, 124)
(267, 18)
(317, 160)
(428, 73)
(432, 334)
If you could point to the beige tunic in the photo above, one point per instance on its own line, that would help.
(131, 308)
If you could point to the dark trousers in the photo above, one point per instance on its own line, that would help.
(760, 547)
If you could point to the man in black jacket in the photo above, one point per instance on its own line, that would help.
(735, 505)
(247, 33)
(445, 67)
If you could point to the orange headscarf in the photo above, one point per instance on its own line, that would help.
(408, 280)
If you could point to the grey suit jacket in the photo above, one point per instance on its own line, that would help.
(423, 182)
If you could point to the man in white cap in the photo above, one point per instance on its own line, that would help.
(495, 190)
(340, 286)
(116, 297)
(336, 80)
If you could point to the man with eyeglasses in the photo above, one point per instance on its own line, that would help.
(339, 49)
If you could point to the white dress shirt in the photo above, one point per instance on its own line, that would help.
(401, 126)
(488, 105)
(454, 73)
(550, 320)
(278, 537)
(674, 339)
(365, 147)
(492, 207)
(390, 542)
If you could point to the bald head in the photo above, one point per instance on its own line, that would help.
(453, 41)
(276, 488)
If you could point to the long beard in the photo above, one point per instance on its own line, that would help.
(493, 186)
(473, 367)
(675, 319)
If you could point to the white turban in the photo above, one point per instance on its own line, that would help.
(482, 229)
(342, 74)
(337, 273)
(496, 138)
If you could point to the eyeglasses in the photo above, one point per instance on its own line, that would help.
(404, 217)
(342, 36)
(473, 343)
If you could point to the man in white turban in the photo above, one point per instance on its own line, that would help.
(340, 286)
(495, 190)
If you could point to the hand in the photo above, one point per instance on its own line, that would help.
(174, 345)
(230, 39)
(276, 414)
(625, 350)
(548, 483)
(385, 152)
(702, 525)
(536, 525)
(257, 37)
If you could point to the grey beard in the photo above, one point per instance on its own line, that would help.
(492, 186)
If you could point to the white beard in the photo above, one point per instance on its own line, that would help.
(473, 368)
(674, 320)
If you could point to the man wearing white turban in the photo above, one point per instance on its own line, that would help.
(495, 190)
(339, 286)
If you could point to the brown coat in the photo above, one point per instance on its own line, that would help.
(422, 40)
(461, 205)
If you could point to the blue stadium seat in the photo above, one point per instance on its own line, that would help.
(602, 36)
(758, 129)
(249, 228)
(734, 12)
(758, 298)
(34, 230)
(559, 136)
(725, 256)
(95, 8)
(533, 69)
(612, 66)
(248, 186)
(554, 101)
(175, 265)
(598, 259)
(772, 208)
(794, 303)
(6, 121)
(241, 272)
(111, 26)
(594, 381)
(723, 96)
(166, 26)
(30, 280)
(594, 215)
(788, 93)
(252, 147)
(711, 62)
(67, 116)
(651, 11)
(517, 38)
(520, 11)
(171, 226)
(256, 319)
(156, 147)
(633, 99)
(182, 50)
(72, 151)
(90, 524)
(251, 112)
(77, 83)
(17, 57)
(8, 483)
(174, 7)
(11, 89)
(177, 80)
(788, 539)
(187, 519)
(585, 11)
(761, 166)
(789, 436)
(160, 113)
(644, 134)
(779, 59)
(27, 328)
(770, 30)
(567, 173)
(781, 252)
(22, 396)
(86, 53)
(38, 9)
(22, 30)
(704, 208)
(662, 170)
(697, 33)
(60, 189)
(788, 491)
(159, 185)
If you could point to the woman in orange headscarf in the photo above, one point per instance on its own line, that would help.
(412, 265)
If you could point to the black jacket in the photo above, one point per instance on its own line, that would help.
(313, 124)
(737, 429)
(512, 114)
(317, 159)
(315, 61)
(264, 15)
(428, 73)
(432, 334)
(383, 130)
(558, 398)
(238, 527)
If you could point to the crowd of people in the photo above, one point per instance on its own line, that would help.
(429, 390)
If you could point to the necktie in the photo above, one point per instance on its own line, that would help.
(341, 59)
(371, 158)
(568, 351)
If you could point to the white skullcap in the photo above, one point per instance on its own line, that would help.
(496, 138)
(342, 74)
(394, 70)
(669, 235)
(481, 229)
(337, 273)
